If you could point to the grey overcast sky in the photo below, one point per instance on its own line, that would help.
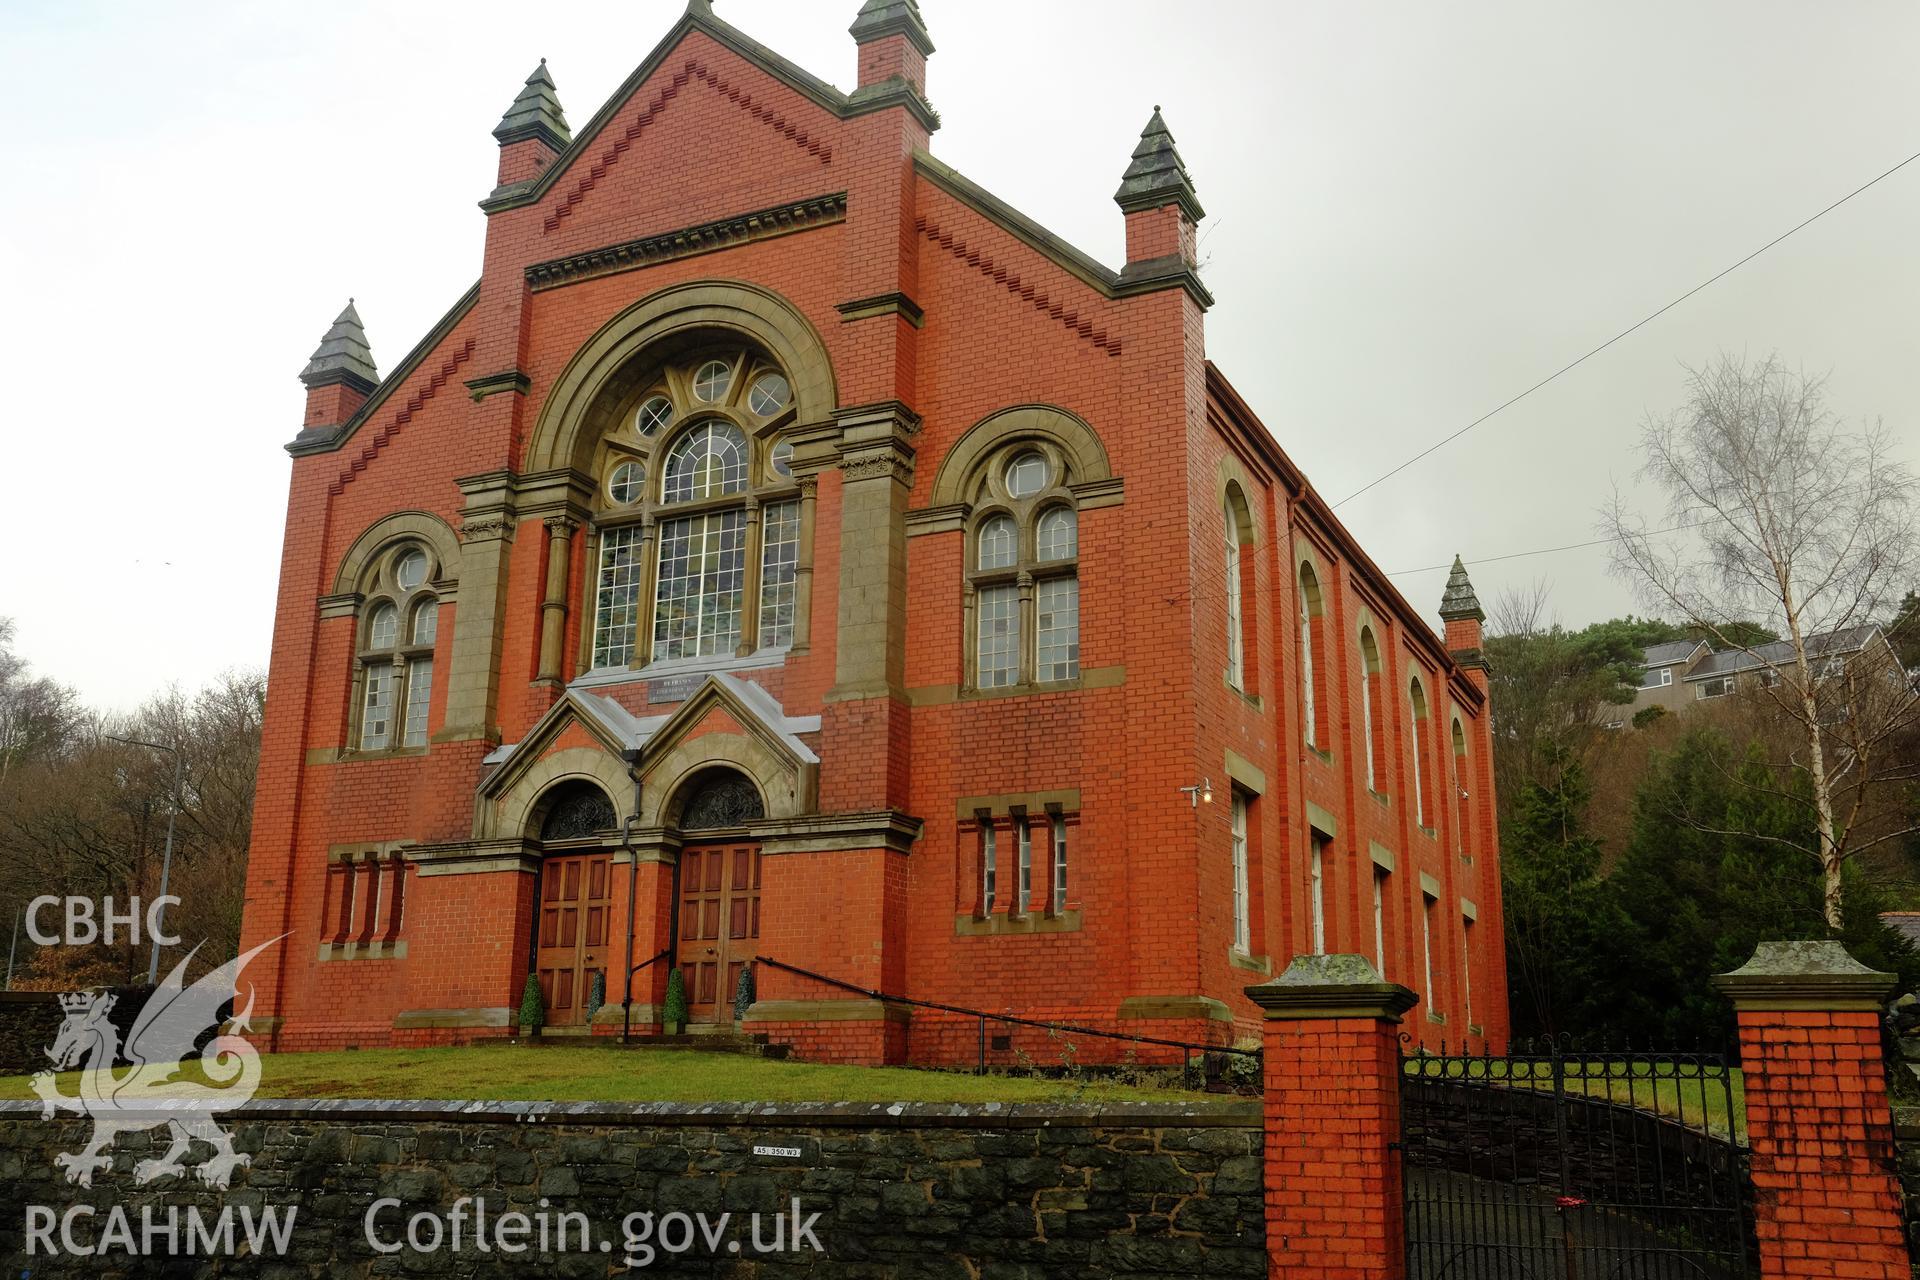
(1416, 210)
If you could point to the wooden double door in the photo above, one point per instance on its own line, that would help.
(719, 925)
(574, 942)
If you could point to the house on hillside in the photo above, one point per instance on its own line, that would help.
(790, 558)
(1677, 675)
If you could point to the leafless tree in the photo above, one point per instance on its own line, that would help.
(1789, 516)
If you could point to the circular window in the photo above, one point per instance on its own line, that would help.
(783, 458)
(410, 570)
(656, 413)
(710, 383)
(769, 394)
(1027, 475)
(626, 482)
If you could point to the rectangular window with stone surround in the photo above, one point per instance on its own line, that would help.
(1242, 911)
(1057, 629)
(419, 697)
(998, 647)
(703, 565)
(616, 607)
(376, 721)
(779, 557)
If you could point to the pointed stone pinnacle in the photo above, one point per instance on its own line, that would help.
(1460, 602)
(888, 17)
(1157, 175)
(536, 113)
(343, 355)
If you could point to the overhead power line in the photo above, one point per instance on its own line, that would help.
(1543, 551)
(1568, 368)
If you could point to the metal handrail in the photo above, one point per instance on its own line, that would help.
(1012, 1019)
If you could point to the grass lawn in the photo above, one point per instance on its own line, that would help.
(517, 1074)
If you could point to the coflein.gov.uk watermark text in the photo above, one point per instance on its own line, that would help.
(469, 1225)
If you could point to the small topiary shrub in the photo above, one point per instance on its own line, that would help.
(743, 993)
(533, 1009)
(596, 995)
(673, 1013)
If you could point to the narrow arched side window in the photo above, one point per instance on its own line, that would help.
(1462, 810)
(1237, 527)
(399, 626)
(1023, 571)
(1417, 748)
(1372, 713)
(1310, 665)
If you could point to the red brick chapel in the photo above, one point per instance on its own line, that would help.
(812, 566)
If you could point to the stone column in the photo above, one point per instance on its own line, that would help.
(803, 567)
(473, 685)
(1827, 1199)
(553, 608)
(1335, 1201)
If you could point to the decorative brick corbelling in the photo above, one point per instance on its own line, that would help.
(686, 242)
(1036, 297)
(416, 402)
(693, 70)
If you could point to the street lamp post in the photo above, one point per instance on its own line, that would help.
(166, 856)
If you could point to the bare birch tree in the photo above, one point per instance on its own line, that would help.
(1787, 516)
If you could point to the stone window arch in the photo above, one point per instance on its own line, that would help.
(1312, 607)
(397, 628)
(719, 799)
(1022, 577)
(575, 810)
(1419, 739)
(1373, 725)
(697, 512)
(1237, 588)
(1460, 796)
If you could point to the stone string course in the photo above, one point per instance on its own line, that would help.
(906, 1192)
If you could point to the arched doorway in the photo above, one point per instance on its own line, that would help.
(573, 933)
(719, 890)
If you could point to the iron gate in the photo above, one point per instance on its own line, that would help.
(1556, 1164)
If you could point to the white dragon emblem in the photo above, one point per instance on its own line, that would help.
(159, 1044)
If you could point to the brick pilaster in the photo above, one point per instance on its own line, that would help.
(1335, 1201)
(1827, 1200)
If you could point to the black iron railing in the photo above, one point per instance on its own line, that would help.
(985, 1016)
(1562, 1164)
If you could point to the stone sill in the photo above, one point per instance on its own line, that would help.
(1238, 1114)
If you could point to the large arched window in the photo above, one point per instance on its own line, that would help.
(399, 625)
(1417, 743)
(1023, 560)
(1311, 621)
(1372, 713)
(699, 515)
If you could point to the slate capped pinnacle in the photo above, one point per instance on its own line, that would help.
(343, 355)
(887, 17)
(1460, 601)
(1157, 175)
(536, 113)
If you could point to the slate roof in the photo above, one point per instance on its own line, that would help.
(1666, 655)
(1780, 652)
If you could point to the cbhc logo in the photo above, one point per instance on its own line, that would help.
(83, 928)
